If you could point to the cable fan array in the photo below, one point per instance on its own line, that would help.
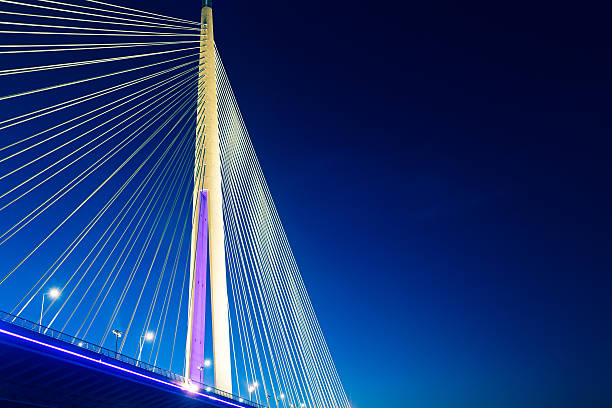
(98, 110)
(276, 339)
(97, 124)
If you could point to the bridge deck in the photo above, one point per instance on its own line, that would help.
(40, 371)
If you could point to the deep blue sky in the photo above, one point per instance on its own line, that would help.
(443, 174)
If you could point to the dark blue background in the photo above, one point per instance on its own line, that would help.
(443, 173)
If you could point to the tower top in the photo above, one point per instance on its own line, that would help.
(207, 3)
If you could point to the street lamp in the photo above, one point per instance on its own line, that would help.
(53, 294)
(117, 334)
(148, 336)
(252, 388)
(207, 364)
(282, 398)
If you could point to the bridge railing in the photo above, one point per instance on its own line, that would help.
(58, 335)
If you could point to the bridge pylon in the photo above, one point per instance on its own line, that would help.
(207, 196)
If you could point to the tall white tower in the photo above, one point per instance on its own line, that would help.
(208, 201)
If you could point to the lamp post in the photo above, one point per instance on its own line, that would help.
(201, 368)
(252, 388)
(282, 398)
(207, 363)
(53, 294)
(148, 336)
(117, 334)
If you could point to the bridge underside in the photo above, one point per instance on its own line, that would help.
(38, 375)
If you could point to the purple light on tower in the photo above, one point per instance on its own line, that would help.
(199, 293)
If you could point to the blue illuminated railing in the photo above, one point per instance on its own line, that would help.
(56, 334)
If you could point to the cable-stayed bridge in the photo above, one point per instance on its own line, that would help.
(141, 248)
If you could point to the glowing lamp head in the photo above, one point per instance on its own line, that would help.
(207, 363)
(208, 389)
(54, 293)
(149, 336)
(282, 396)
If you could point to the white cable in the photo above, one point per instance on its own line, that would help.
(46, 16)
(85, 13)
(39, 68)
(2, 98)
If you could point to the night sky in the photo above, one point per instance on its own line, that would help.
(443, 174)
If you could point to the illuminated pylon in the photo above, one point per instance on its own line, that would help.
(207, 196)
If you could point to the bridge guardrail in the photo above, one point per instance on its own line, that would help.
(58, 335)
